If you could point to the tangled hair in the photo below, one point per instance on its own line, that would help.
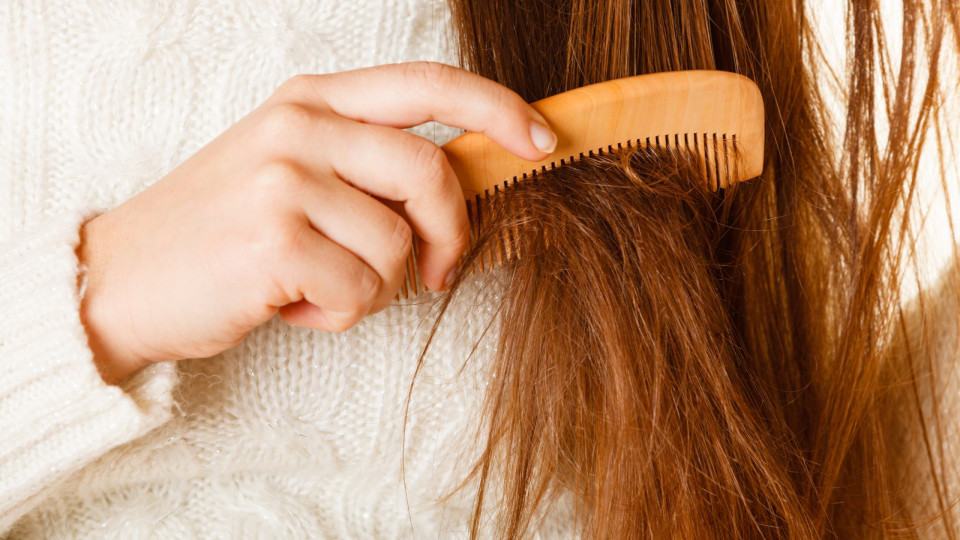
(691, 364)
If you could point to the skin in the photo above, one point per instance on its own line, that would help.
(307, 207)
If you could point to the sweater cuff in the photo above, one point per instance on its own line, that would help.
(56, 412)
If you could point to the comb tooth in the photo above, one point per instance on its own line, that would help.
(735, 173)
(516, 226)
(706, 160)
(725, 177)
(497, 247)
(415, 282)
(473, 218)
(410, 284)
(533, 215)
(478, 263)
(492, 246)
(474, 225)
(716, 164)
(508, 232)
(701, 159)
(408, 278)
(516, 229)
(676, 141)
(509, 242)
(404, 291)
(488, 254)
(501, 248)
(512, 230)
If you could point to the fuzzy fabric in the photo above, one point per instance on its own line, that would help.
(294, 433)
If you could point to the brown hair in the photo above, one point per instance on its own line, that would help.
(700, 365)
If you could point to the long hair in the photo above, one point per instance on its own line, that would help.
(716, 365)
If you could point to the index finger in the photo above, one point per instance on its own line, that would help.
(406, 95)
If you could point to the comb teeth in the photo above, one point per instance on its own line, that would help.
(711, 151)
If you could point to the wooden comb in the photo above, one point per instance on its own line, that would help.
(705, 113)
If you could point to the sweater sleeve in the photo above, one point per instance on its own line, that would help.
(56, 413)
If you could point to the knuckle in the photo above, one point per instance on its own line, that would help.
(363, 293)
(271, 245)
(296, 85)
(288, 238)
(286, 120)
(501, 104)
(430, 78)
(401, 239)
(429, 166)
(280, 242)
(366, 289)
(279, 177)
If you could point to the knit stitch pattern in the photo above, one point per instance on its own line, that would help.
(294, 433)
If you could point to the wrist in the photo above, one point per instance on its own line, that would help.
(114, 361)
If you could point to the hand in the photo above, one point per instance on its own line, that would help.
(285, 211)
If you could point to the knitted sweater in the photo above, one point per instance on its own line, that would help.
(294, 433)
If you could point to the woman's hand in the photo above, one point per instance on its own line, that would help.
(281, 213)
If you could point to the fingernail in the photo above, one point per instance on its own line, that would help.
(543, 138)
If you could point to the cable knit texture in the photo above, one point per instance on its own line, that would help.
(55, 412)
(293, 433)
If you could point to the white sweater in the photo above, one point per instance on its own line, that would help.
(293, 433)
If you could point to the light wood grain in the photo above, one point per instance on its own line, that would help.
(716, 116)
(682, 106)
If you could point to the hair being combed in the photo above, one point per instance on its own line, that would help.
(699, 365)
(624, 382)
